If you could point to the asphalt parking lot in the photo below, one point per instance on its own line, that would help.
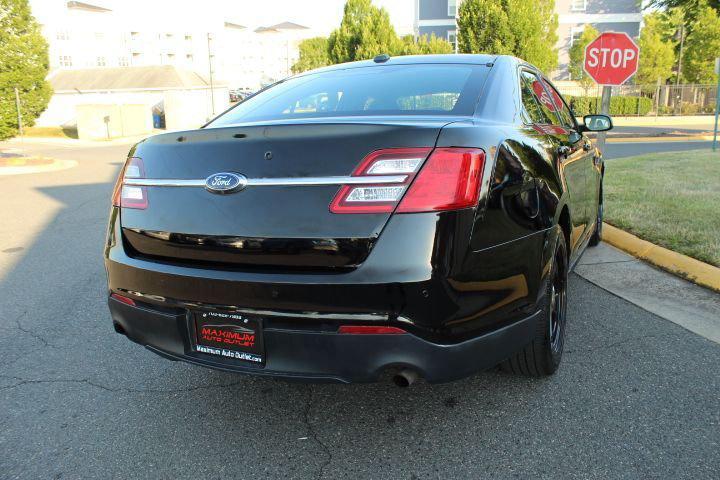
(636, 397)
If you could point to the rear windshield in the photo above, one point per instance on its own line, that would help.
(428, 89)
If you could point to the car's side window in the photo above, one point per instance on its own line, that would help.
(563, 111)
(531, 92)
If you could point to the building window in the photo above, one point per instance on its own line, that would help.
(189, 57)
(169, 36)
(452, 8)
(134, 35)
(100, 62)
(62, 35)
(575, 34)
(65, 61)
(578, 5)
(452, 39)
(99, 35)
(123, 61)
(188, 37)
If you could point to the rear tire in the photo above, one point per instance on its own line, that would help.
(542, 356)
(597, 234)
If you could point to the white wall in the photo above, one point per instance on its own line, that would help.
(184, 109)
(61, 110)
(189, 109)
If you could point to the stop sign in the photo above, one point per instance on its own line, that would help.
(612, 58)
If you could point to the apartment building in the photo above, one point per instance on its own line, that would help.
(207, 40)
(439, 17)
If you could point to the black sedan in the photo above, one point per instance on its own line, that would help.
(409, 217)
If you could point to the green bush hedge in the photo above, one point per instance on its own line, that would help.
(618, 105)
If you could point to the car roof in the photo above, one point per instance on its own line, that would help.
(450, 58)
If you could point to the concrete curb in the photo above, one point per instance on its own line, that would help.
(55, 166)
(660, 138)
(678, 264)
(653, 121)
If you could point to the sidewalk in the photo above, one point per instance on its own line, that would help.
(686, 304)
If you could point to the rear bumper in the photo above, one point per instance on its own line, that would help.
(328, 356)
(464, 311)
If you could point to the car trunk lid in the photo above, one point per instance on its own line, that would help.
(263, 225)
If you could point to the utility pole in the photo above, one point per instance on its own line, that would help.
(717, 103)
(19, 112)
(657, 98)
(210, 69)
(678, 96)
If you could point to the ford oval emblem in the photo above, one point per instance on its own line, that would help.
(225, 182)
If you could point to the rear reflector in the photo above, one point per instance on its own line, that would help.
(370, 330)
(125, 300)
(129, 196)
(448, 180)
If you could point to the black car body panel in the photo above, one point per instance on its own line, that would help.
(464, 284)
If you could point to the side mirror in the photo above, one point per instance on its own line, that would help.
(597, 123)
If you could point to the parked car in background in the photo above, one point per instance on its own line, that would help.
(238, 95)
(410, 216)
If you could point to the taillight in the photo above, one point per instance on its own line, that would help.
(370, 330)
(130, 196)
(378, 197)
(448, 180)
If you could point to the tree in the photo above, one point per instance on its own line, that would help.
(23, 64)
(657, 51)
(701, 48)
(534, 25)
(425, 45)
(690, 8)
(577, 57)
(365, 31)
(483, 27)
(313, 54)
(524, 28)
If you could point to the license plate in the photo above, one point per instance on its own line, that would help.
(229, 335)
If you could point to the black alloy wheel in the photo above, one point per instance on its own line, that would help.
(542, 356)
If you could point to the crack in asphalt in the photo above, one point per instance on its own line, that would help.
(313, 434)
(34, 335)
(85, 381)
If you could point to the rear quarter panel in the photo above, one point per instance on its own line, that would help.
(509, 240)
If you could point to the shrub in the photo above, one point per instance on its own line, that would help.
(629, 105)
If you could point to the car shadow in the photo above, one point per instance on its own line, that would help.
(64, 365)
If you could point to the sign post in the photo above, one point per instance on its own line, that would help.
(19, 112)
(717, 103)
(610, 59)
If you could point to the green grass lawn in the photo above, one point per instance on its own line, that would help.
(58, 132)
(670, 199)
